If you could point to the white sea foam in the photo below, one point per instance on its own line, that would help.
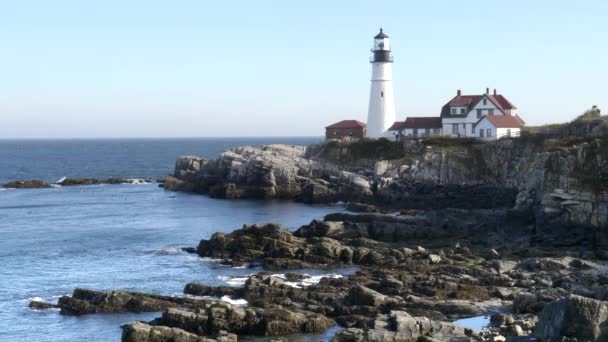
(207, 259)
(240, 301)
(137, 181)
(307, 280)
(227, 299)
(33, 299)
(235, 281)
(168, 250)
(61, 180)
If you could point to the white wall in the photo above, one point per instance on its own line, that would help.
(502, 132)
(469, 121)
(486, 125)
(496, 133)
(381, 113)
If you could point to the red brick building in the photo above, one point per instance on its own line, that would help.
(345, 129)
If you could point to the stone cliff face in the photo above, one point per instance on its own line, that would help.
(273, 171)
(562, 181)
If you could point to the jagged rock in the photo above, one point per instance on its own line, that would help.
(361, 295)
(83, 302)
(584, 319)
(142, 332)
(400, 326)
(214, 317)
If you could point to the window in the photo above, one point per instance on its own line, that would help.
(381, 94)
(489, 132)
(479, 113)
(490, 111)
(455, 129)
(508, 132)
(481, 132)
(415, 132)
(427, 131)
(453, 111)
(485, 101)
(436, 131)
(461, 110)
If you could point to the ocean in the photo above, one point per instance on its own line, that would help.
(107, 237)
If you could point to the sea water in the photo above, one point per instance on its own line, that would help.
(107, 237)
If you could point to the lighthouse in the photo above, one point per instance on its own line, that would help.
(381, 113)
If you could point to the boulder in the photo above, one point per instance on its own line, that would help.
(580, 318)
(361, 295)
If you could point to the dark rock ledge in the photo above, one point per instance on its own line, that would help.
(37, 184)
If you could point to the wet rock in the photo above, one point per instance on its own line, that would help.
(197, 289)
(27, 184)
(39, 305)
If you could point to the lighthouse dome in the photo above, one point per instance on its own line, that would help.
(381, 35)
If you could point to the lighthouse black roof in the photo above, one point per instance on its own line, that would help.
(380, 35)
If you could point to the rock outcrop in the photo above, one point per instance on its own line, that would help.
(273, 171)
(84, 302)
(27, 184)
(401, 326)
(554, 181)
(583, 319)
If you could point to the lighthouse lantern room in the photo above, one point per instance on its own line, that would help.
(381, 113)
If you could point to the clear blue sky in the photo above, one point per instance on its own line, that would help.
(278, 68)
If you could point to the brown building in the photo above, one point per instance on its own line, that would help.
(345, 129)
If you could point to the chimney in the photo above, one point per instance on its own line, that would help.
(458, 92)
(494, 91)
(488, 91)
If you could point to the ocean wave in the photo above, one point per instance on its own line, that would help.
(137, 181)
(234, 281)
(227, 299)
(32, 299)
(168, 251)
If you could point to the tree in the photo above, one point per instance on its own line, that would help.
(589, 114)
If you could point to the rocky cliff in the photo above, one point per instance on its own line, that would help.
(559, 180)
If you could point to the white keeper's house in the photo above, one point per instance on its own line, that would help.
(487, 116)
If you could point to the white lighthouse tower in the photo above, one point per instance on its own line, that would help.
(381, 114)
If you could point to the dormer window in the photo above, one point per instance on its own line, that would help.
(453, 111)
(461, 110)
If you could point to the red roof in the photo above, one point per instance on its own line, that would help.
(504, 121)
(470, 101)
(347, 124)
(397, 125)
(422, 122)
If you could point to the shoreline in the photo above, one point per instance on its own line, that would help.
(444, 231)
